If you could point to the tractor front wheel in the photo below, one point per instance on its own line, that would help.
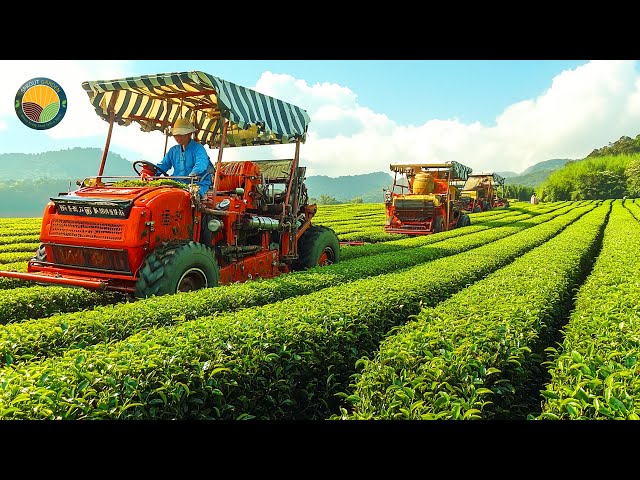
(175, 268)
(319, 245)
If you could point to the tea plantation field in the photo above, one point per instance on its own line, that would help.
(530, 313)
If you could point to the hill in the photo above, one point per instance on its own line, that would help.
(70, 164)
(29, 180)
(369, 186)
(507, 174)
(624, 146)
(546, 166)
(536, 174)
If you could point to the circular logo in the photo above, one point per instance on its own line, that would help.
(41, 103)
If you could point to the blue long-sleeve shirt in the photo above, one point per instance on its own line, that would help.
(194, 160)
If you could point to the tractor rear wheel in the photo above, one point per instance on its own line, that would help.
(437, 224)
(175, 268)
(319, 245)
(464, 221)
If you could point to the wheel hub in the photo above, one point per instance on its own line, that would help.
(192, 279)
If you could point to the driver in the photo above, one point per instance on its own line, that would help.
(188, 158)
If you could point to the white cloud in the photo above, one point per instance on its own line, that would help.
(583, 109)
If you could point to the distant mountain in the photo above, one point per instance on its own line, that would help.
(369, 186)
(27, 181)
(547, 165)
(529, 180)
(70, 164)
(507, 174)
(536, 174)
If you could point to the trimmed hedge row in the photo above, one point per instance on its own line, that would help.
(479, 354)
(14, 267)
(20, 247)
(284, 360)
(634, 208)
(11, 221)
(30, 238)
(50, 336)
(19, 230)
(595, 372)
(421, 240)
(13, 257)
(346, 212)
(378, 235)
(347, 252)
(14, 305)
(353, 226)
(43, 301)
(372, 235)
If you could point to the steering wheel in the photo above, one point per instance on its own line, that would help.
(144, 163)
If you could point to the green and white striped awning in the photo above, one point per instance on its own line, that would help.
(497, 179)
(156, 101)
(458, 170)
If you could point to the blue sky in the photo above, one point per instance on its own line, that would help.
(407, 91)
(501, 115)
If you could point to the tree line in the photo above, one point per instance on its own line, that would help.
(612, 171)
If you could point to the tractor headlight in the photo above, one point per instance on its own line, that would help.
(224, 204)
(214, 225)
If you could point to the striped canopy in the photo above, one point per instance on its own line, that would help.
(459, 171)
(156, 101)
(497, 179)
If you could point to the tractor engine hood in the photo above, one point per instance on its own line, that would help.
(105, 202)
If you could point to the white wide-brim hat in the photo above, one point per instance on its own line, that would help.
(182, 127)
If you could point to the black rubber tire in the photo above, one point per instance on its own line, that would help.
(463, 221)
(178, 267)
(315, 242)
(437, 224)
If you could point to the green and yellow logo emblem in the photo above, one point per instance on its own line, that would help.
(41, 103)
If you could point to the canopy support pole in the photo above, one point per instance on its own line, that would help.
(106, 149)
(293, 209)
(223, 139)
(112, 115)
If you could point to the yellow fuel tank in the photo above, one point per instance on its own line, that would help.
(423, 184)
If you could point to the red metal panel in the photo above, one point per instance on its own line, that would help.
(261, 265)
